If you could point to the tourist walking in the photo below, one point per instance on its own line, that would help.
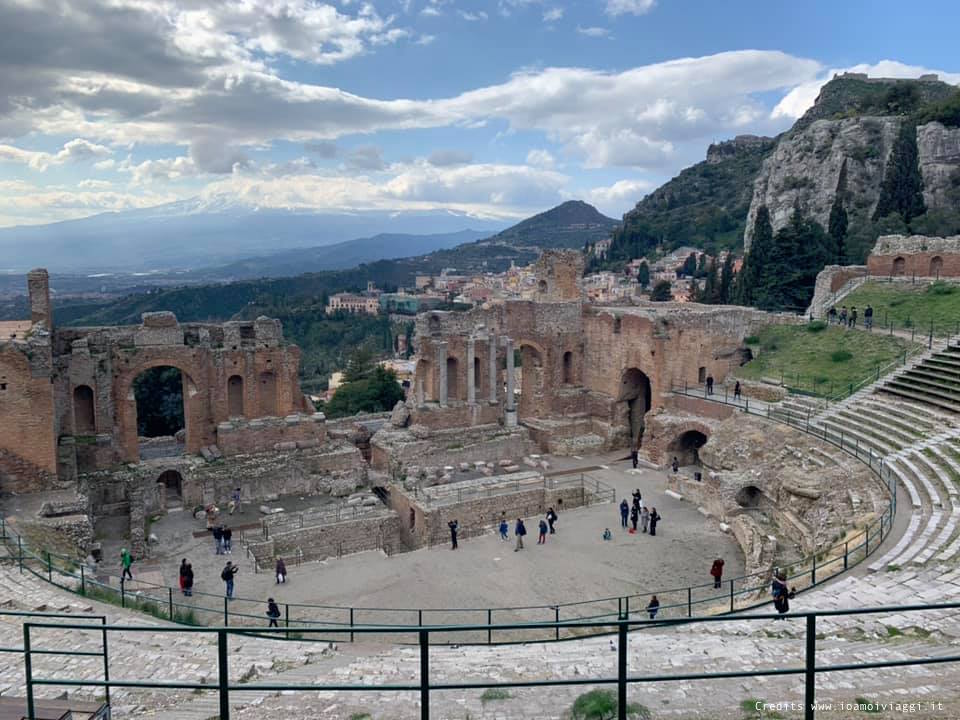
(126, 560)
(454, 526)
(709, 384)
(868, 317)
(781, 593)
(717, 571)
(273, 612)
(624, 512)
(637, 497)
(504, 529)
(235, 501)
(519, 530)
(675, 464)
(843, 315)
(218, 539)
(551, 519)
(654, 519)
(634, 516)
(188, 580)
(227, 540)
(543, 533)
(736, 391)
(644, 519)
(853, 316)
(832, 315)
(281, 571)
(653, 606)
(227, 575)
(183, 576)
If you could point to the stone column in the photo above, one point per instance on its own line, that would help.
(441, 373)
(511, 409)
(471, 372)
(494, 380)
(419, 391)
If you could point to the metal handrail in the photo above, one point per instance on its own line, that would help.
(224, 687)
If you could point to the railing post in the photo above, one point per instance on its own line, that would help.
(83, 581)
(813, 570)
(49, 567)
(226, 611)
(28, 671)
(424, 675)
(489, 626)
(169, 599)
(123, 592)
(351, 624)
(689, 601)
(556, 619)
(20, 552)
(223, 674)
(627, 607)
(731, 596)
(622, 671)
(106, 661)
(846, 551)
(286, 619)
(810, 675)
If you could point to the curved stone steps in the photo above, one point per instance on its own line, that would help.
(941, 467)
(933, 494)
(915, 500)
(937, 545)
(916, 546)
(903, 427)
(947, 461)
(908, 413)
(855, 437)
(905, 541)
(860, 419)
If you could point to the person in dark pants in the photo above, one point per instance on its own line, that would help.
(188, 580)
(218, 539)
(126, 560)
(736, 391)
(781, 593)
(634, 516)
(183, 576)
(717, 571)
(633, 457)
(543, 533)
(624, 512)
(832, 315)
(454, 526)
(504, 528)
(653, 606)
(868, 317)
(637, 497)
(281, 571)
(853, 317)
(709, 384)
(519, 530)
(227, 540)
(654, 519)
(227, 575)
(273, 612)
(675, 464)
(551, 519)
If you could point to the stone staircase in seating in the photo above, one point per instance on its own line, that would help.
(911, 420)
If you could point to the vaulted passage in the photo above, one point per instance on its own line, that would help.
(686, 446)
(159, 394)
(635, 393)
(235, 396)
(84, 417)
(453, 384)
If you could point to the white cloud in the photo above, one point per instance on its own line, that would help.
(553, 14)
(366, 157)
(800, 99)
(593, 31)
(89, 184)
(25, 204)
(541, 159)
(473, 16)
(629, 7)
(425, 39)
(73, 151)
(616, 199)
(164, 169)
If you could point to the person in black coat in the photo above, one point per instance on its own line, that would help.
(654, 519)
(273, 612)
(551, 519)
(653, 606)
(624, 512)
(634, 516)
(454, 527)
(519, 530)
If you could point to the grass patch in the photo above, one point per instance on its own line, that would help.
(866, 705)
(752, 709)
(494, 694)
(360, 716)
(602, 705)
(824, 362)
(752, 340)
(816, 326)
(157, 609)
(908, 305)
(894, 631)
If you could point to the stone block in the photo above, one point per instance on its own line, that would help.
(674, 495)
(512, 468)
(464, 467)
(162, 319)
(206, 454)
(306, 444)
(282, 446)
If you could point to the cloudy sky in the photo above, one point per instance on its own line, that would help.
(497, 108)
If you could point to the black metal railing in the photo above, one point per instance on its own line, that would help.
(424, 687)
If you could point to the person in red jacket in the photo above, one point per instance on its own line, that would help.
(717, 571)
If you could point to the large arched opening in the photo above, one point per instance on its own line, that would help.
(84, 416)
(161, 421)
(568, 375)
(936, 266)
(686, 447)
(899, 266)
(425, 380)
(636, 396)
(172, 482)
(749, 497)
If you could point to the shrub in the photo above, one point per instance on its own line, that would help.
(751, 340)
(867, 706)
(602, 705)
(494, 694)
(839, 356)
(941, 288)
(816, 326)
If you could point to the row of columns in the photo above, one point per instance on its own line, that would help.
(440, 360)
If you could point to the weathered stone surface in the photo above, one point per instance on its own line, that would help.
(400, 417)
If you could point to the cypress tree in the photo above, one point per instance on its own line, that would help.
(902, 188)
(643, 274)
(726, 280)
(756, 259)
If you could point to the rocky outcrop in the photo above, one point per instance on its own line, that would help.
(805, 167)
(718, 152)
(939, 151)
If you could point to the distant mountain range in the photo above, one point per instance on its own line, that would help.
(572, 224)
(215, 231)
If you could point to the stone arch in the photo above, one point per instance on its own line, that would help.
(84, 411)
(195, 405)
(235, 396)
(532, 379)
(686, 444)
(936, 266)
(267, 393)
(542, 287)
(636, 395)
(750, 497)
(172, 482)
(899, 265)
(453, 380)
(569, 376)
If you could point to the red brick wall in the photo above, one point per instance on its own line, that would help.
(843, 276)
(915, 264)
(28, 450)
(241, 437)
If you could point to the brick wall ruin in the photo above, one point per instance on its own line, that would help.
(915, 256)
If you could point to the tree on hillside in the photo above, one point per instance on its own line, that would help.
(377, 392)
(758, 257)
(837, 225)
(661, 292)
(360, 364)
(726, 280)
(689, 268)
(902, 188)
(710, 293)
(643, 274)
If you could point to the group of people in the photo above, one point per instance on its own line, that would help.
(848, 319)
(638, 513)
(546, 526)
(223, 539)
